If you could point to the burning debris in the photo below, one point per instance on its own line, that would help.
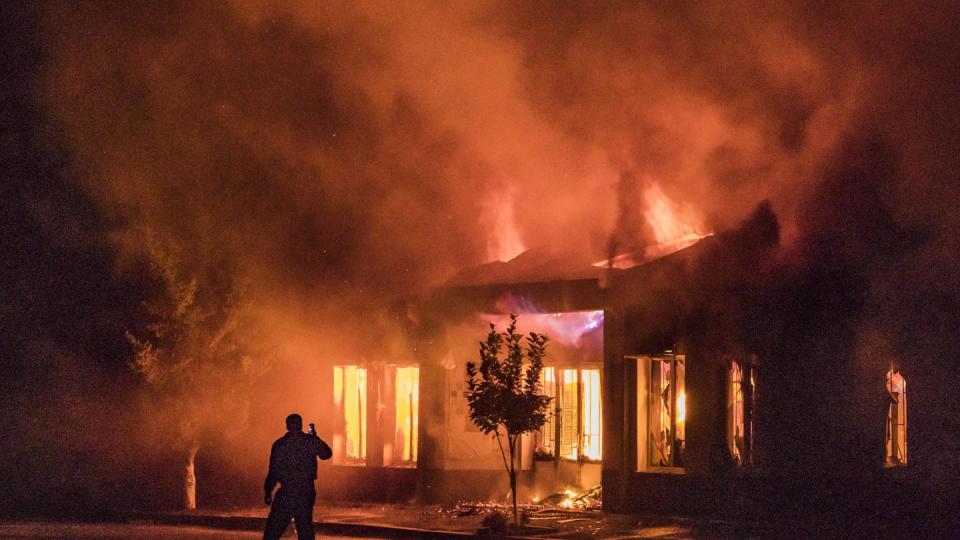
(569, 499)
(588, 499)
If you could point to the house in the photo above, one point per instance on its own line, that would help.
(676, 384)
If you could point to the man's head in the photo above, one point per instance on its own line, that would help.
(294, 422)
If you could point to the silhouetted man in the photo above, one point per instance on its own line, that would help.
(293, 463)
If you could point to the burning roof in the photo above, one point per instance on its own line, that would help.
(533, 265)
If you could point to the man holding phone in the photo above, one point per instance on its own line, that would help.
(293, 463)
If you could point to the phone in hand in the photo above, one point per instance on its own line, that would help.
(312, 430)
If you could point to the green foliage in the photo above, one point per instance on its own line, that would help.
(201, 352)
(500, 392)
(504, 392)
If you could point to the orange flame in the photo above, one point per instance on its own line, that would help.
(673, 228)
(504, 243)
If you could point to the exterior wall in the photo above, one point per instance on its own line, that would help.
(820, 410)
(373, 478)
(819, 413)
(457, 461)
(363, 483)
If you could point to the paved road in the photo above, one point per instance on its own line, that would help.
(92, 531)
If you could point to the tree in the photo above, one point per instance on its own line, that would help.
(200, 353)
(504, 393)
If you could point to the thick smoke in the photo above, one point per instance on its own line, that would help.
(334, 157)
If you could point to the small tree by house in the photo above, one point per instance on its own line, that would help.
(504, 392)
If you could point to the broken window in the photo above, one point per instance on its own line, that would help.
(740, 408)
(662, 410)
(896, 444)
(350, 397)
(577, 417)
(406, 401)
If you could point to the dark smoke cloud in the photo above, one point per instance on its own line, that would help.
(335, 156)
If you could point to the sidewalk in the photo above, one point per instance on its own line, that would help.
(464, 520)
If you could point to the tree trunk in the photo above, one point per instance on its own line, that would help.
(513, 479)
(190, 480)
(513, 490)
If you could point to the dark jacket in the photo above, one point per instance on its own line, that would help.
(293, 460)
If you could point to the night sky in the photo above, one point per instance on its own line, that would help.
(283, 172)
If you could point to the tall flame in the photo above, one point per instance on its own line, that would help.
(673, 228)
(504, 243)
(664, 217)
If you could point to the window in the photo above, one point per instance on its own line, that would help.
(896, 444)
(547, 438)
(350, 398)
(406, 403)
(578, 412)
(590, 413)
(741, 397)
(661, 411)
(569, 415)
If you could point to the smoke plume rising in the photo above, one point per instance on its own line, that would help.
(330, 158)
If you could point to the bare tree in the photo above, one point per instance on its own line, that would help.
(504, 394)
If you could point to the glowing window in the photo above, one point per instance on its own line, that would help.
(590, 413)
(406, 405)
(740, 400)
(547, 439)
(350, 397)
(577, 411)
(896, 439)
(666, 414)
(569, 414)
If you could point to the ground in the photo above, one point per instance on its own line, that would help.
(105, 531)
(466, 518)
(346, 520)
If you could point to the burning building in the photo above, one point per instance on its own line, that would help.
(670, 381)
(299, 161)
(697, 373)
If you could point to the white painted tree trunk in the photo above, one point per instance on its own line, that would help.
(190, 480)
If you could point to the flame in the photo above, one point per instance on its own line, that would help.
(590, 413)
(504, 243)
(350, 395)
(665, 220)
(674, 228)
(407, 414)
(681, 407)
(567, 328)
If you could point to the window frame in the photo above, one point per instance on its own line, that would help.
(645, 444)
(390, 436)
(542, 450)
(557, 410)
(748, 394)
(340, 402)
(901, 418)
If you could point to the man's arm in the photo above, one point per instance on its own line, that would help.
(271, 480)
(324, 451)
